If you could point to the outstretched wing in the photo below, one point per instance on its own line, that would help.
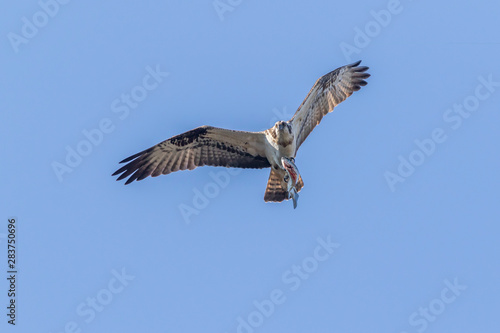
(329, 91)
(204, 145)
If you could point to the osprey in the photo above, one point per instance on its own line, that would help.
(207, 145)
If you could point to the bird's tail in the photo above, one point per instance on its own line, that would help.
(276, 189)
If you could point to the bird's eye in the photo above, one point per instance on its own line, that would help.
(286, 178)
(292, 159)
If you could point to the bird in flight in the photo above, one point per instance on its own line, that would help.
(212, 146)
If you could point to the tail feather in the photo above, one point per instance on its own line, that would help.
(276, 186)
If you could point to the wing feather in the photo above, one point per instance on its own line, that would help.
(172, 159)
(190, 160)
(204, 145)
(180, 158)
(159, 168)
(328, 91)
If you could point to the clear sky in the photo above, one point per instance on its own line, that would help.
(396, 229)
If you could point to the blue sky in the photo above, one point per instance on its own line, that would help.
(397, 226)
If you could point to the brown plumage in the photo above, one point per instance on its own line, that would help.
(328, 92)
(204, 145)
(276, 186)
(213, 146)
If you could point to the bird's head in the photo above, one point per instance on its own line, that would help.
(284, 132)
(281, 126)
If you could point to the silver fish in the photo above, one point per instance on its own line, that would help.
(292, 175)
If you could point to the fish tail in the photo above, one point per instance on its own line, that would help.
(295, 198)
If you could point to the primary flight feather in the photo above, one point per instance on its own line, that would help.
(207, 145)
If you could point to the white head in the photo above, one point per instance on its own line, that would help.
(283, 132)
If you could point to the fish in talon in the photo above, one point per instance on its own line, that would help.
(292, 175)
